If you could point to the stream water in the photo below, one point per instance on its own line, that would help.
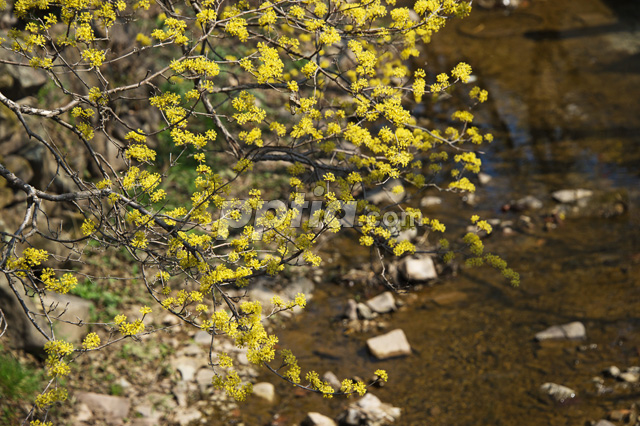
(563, 78)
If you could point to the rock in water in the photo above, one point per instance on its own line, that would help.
(572, 330)
(382, 303)
(389, 345)
(557, 392)
(566, 196)
(370, 411)
(265, 391)
(418, 269)
(317, 419)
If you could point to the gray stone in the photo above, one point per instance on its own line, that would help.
(430, 201)
(185, 416)
(202, 338)
(317, 419)
(382, 303)
(70, 308)
(364, 311)
(204, 377)
(557, 392)
(603, 422)
(111, 409)
(418, 268)
(351, 310)
(389, 345)
(263, 294)
(63, 306)
(332, 379)
(186, 366)
(265, 391)
(370, 411)
(528, 203)
(572, 330)
(301, 285)
(566, 196)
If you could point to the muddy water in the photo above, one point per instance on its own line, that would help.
(563, 78)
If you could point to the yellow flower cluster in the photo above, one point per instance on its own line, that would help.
(91, 341)
(62, 285)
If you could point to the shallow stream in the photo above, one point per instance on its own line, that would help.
(563, 78)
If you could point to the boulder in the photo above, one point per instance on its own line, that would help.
(382, 303)
(557, 392)
(24, 334)
(572, 330)
(418, 268)
(389, 345)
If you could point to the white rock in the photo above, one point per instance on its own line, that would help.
(382, 303)
(629, 377)
(558, 392)
(566, 196)
(612, 371)
(430, 201)
(572, 330)
(419, 268)
(484, 178)
(370, 411)
(604, 422)
(265, 391)
(332, 379)
(389, 345)
(364, 311)
(317, 419)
